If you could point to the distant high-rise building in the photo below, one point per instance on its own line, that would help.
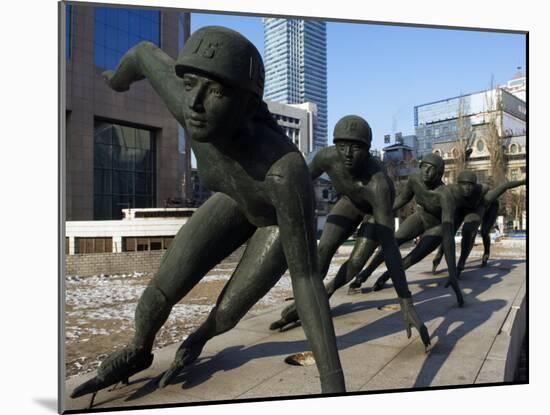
(297, 122)
(296, 67)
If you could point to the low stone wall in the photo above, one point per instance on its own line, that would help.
(121, 262)
(113, 263)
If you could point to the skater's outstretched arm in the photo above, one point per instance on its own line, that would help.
(495, 193)
(146, 60)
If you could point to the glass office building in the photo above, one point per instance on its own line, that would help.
(296, 67)
(438, 121)
(122, 148)
(116, 30)
(124, 169)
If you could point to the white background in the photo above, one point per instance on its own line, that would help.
(28, 292)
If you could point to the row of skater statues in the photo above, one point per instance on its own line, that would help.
(264, 198)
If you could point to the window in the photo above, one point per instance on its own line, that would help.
(518, 82)
(66, 245)
(480, 145)
(153, 243)
(93, 245)
(481, 176)
(124, 169)
(116, 30)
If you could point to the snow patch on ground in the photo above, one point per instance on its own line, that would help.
(512, 243)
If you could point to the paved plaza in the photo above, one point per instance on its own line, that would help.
(477, 344)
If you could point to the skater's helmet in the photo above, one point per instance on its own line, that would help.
(466, 176)
(353, 127)
(436, 161)
(223, 54)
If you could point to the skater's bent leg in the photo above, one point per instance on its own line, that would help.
(489, 219)
(261, 266)
(469, 231)
(365, 246)
(342, 221)
(218, 223)
(437, 259)
(410, 228)
(427, 244)
(214, 231)
(486, 237)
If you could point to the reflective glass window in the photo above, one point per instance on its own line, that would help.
(117, 29)
(124, 169)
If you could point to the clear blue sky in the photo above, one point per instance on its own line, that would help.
(381, 72)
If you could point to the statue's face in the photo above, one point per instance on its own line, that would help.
(352, 153)
(467, 188)
(211, 110)
(428, 172)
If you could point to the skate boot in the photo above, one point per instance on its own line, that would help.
(118, 367)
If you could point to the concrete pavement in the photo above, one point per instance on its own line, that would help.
(477, 344)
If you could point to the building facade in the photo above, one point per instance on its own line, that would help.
(515, 158)
(400, 161)
(514, 167)
(297, 121)
(121, 148)
(517, 85)
(199, 193)
(296, 67)
(446, 120)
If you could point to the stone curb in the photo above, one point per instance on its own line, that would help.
(501, 361)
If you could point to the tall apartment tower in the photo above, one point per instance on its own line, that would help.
(296, 67)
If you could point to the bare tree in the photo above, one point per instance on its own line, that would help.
(495, 143)
(514, 200)
(515, 203)
(464, 138)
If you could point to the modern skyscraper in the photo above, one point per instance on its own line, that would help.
(296, 67)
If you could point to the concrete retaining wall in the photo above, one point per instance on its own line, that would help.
(121, 262)
(502, 359)
(113, 263)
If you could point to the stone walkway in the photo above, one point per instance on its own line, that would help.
(477, 344)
